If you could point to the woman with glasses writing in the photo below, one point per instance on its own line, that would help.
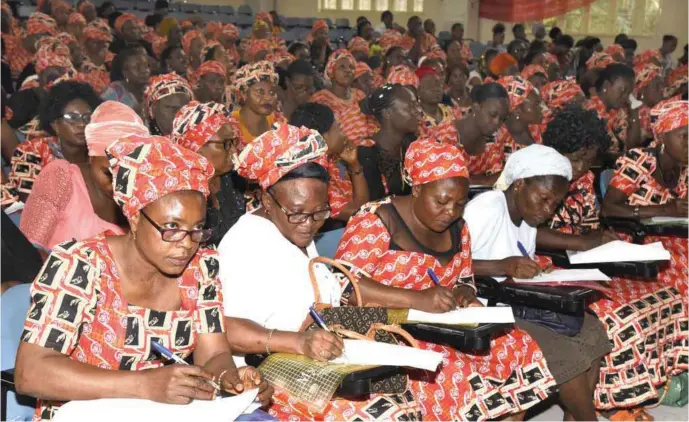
(66, 202)
(209, 130)
(98, 304)
(265, 268)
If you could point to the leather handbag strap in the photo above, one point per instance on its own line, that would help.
(339, 266)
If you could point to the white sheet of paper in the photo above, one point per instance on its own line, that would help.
(117, 410)
(473, 315)
(661, 220)
(589, 274)
(619, 251)
(17, 206)
(362, 352)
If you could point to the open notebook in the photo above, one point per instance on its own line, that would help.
(619, 251)
(465, 316)
(361, 352)
(568, 275)
(118, 410)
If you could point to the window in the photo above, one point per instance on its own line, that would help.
(364, 4)
(418, 5)
(347, 5)
(382, 5)
(403, 6)
(610, 17)
(328, 4)
(400, 5)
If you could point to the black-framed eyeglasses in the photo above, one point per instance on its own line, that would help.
(75, 118)
(176, 235)
(301, 217)
(227, 144)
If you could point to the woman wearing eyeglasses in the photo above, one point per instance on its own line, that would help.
(209, 130)
(99, 303)
(66, 201)
(264, 268)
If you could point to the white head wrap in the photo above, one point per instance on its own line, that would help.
(534, 160)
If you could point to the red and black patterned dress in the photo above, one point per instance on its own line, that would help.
(490, 161)
(78, 308)
(646, 321)
(355, 125)
(512, 377)
(28, 160)
(340, 189)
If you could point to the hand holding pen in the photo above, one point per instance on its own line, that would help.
(521, 266)
(321, 345)
(437, 299)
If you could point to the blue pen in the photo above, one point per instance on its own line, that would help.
(522, 249)
(433, 277)
(166, 353)
(316, 317)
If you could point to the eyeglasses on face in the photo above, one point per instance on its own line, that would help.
(227, 144)
(176, 235)
(74, 118)
(301, 217)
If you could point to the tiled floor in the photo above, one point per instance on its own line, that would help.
(553, 412)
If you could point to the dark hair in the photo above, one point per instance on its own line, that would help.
(314, 116)
(413, 18)
(53, 105)
(574, 128)
(386, 14)
(116, 73)
(620, 37)
(517, 27)
(484, 92)
(669, 38)
(380, 100)
(161, 4)
(360, 27)
(154, 20)
(612, 72)
(590, 42)
(101, 10)
(555, 32)
(564, 40)
(535, 48)
(361, 19)
(514, 44)
(113, 17)
(457, 25)
(629, 44)
(308, 170)
(498, 28)
(210, 53)
(300, 67)
(490, 53)
(392, 50)
(588, 80)
(295, 45)
(165, 55)
(374, 62)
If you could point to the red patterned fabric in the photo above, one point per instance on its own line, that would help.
(211, 66)
(188, 37)
(51, 56)
(428, 160)
(648, 57)
(669, 116)
(122, 19)
(578, 213)
(79, 309)
(161, 86)
(147, 168)
(196, 123)
(250, 74)
(531, 70)
(341, 54)
(76, 18)
(40, 23)
(278, 151)
(390, 38)
(354, 124)
(490, 161)
(340, 190)
(528, 10)
(28, 160)
(615, 122)
(517, 89)
(427, 124)
(231, 31)
(645, 74)
(509, 145)
(17, 56)
(280, 56)
(258, 45)
(361, 69)
(93, 32)
(467, 387)
(676, 78)
(599, 60)
(556, 94)
(403, 75)
(358, 44)
(427, 43)
(614, 50)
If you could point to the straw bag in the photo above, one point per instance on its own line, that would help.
(362, 323)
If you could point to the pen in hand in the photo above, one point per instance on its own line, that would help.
(166, 353)
(433, 277)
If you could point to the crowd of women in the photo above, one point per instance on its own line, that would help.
(173, 178)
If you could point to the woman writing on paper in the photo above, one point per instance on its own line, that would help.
(652, 182)
(504, 221)
(629, 306)
(99, 303)
(266, 255)
(397, 240)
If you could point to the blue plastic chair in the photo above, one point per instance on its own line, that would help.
(605, 178)
(326, 243)
(14, 304)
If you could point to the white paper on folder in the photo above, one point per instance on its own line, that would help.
(589, 274)
(362, 352)
(619, 251)
(665, 220)
(473, 315)
(220, 409)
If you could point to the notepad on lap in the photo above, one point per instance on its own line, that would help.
(569, 275)
(464, 316)
(362, 352)
(117, 410)
(619, 251)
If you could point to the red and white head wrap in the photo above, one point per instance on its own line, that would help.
(40, 23)
(162, 86)
(599, 60)
(67, 39)
(531, 70)
(111, 121)
(188, 38)
(341, 54)
(124, 18)
(279, 151)
(318, 25)
(97, 32)
(76, 18)
(437, 53)
(250, 74)
(214, 29)
(403, 75)
(53, 54)
(257, 45)
(361, 69)
(231, 31)
(667, 116)
(264, 16)
(517, 89)
(428, 160)
(146, 168)
(615, 50)
(212, 66)
(558, 93)
(280, 56)
(358, 44)
(645, 74)
(196, 123)
(390, 38)
(648, 56)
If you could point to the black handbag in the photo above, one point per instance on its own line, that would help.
(565, 324)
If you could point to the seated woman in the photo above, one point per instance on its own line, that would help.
(347, 192)
(87, 352)
(652, 182)
(559, 93)
(536, 75)
(474, 134)
(430, 91)
(648, 89)
(504, 221)
(67, 200)
(457, 93)
(210, 82)
(272, 247)
(397, 109)
(363, 78)
(343, 99)
(163, 98)
(208, 130)
(297, 86)
(397, 240)
(580, 135)
(614, 85)
(129, 78)
(255, 92)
